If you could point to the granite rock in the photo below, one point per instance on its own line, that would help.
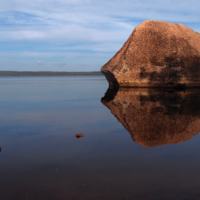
(157, 54)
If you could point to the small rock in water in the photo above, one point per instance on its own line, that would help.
(79, 135)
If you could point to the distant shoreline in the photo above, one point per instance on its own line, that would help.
(48, 73)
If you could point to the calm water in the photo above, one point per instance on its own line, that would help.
(136, 144)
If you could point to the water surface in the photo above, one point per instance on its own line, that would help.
(124, 155)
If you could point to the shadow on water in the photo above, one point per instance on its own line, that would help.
(156, 117)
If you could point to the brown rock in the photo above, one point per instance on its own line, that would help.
(154, 117)
(157, 54)
(79, 135)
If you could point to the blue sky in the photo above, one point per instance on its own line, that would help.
(78, 35)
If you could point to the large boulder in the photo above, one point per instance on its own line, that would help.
(157, 54)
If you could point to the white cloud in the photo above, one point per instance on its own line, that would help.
(88, 19)
(40, 63)
(61, 9)
(49, 25)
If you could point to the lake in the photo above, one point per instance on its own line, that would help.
(137, 143)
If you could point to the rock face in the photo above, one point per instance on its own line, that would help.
(154, 117)
(157, 54)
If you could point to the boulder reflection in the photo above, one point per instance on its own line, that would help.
(156, 117)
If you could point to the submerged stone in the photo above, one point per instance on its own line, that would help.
(79, 135)
(157, 54)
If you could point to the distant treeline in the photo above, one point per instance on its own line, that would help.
(48, 73)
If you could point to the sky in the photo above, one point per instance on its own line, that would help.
(78, 35)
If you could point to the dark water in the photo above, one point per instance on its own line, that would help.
(147, 148)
